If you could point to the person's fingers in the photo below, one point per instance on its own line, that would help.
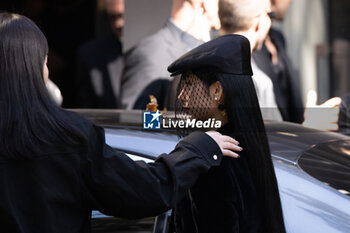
(231, 146)
(217, 136)
(229, 153)
(333, 127)
(331, 103)
(330, 127)
(311, 99)
(324, 116)
(322, 124)
(335, 115)
(213, 134)
(230, 139)
(227, 144)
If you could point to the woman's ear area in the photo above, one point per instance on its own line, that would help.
(216, 92)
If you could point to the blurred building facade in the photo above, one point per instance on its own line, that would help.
(317, 36)
(318, 41)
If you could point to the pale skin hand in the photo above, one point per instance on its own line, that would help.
(226, 144)
(324, 116)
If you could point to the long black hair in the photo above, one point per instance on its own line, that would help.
(244, 116)
(29, 118)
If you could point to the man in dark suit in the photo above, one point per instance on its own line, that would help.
(188, 27)
(100, 64)
(273, 60)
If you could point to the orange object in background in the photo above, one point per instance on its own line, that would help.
(153, 104)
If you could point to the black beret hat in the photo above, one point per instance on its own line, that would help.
(228, 54)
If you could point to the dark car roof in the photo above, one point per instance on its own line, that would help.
(291, 140)
(287, 140)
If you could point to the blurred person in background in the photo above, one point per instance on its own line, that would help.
(55, 165)
(273, 60)
(100, 63)
(251, 19)
(189, 26)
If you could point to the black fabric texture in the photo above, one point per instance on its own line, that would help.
(223, 200)
(56, 190)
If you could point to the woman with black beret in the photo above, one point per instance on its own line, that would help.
(240, 195)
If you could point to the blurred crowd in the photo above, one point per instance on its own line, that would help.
(106, 77)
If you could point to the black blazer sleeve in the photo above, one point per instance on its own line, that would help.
(119, 186)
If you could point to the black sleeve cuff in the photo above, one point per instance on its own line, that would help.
(206, 146)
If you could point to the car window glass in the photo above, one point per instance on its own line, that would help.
(329, 163)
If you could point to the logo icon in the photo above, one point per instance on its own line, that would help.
(151, 120)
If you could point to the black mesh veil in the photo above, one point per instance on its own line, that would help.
(193, 102)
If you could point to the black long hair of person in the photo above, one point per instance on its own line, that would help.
(29, 118)
(244, 116)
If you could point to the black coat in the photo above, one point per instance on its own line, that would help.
(223, 200)
(285, 80)
(56, 189)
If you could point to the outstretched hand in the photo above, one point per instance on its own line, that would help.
(226, 144)
(324, 116)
